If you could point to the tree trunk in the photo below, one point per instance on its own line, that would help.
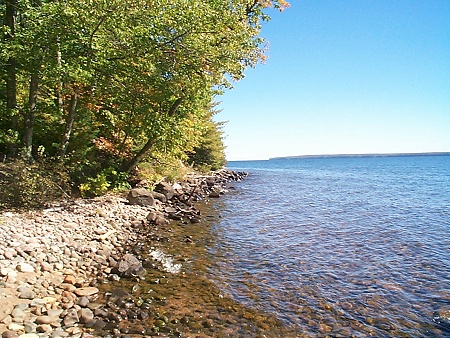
(129, 166)
(30, 117)
(69, 124)
(59, 89)
(11, 74)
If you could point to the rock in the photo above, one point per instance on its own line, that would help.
(15, 327)
(58, 333)
(24, 267)
(83, 301)
(30, 327)
(85, 315)
(151, 217)
(130, 266)
(86, 291)
(140, 196)
(29, 335)
(46, 266)
(27, 294)
(44, 328)
(69, 279)
(442, 317)
(46, 319)
(159, 196)
(165, 189)
(9, 334)
(160, 221)
(18, 313)
(71, 318)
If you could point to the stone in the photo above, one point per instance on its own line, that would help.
(29, 335)
(15, 327)
(69, 279)
(30, 327)
(129, 266)
(18, 313)
(71, 318)
(46, 266)
(159, 196)
(85, 315)
(46, 319)
(27, 294)
(160, 221)
(59, 333)
(166, 189)
(140, 196)
(25, 267)
(86, 291)
(9, 334)
(44, 328)
(83, 301)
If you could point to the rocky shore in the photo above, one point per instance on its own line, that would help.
(53, 260)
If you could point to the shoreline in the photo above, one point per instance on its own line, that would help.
(53, 261)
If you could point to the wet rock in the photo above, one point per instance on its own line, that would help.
(140, 196)
(442, 317)
(129, 266)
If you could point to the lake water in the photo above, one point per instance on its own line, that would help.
(339, 247)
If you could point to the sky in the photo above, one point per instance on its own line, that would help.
(345, 77)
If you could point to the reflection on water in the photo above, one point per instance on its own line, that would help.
(356, 247)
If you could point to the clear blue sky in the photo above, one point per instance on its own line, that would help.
(345, 77)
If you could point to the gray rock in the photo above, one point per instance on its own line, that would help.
(71, 318)
(85, 315)
(159, 196)
(130, 266)
(83, 301)
(27, 294)
(18, 313)
(140, 196)
(30, 327)
(59, 333)
(166, 189)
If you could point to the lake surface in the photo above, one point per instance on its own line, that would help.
(356, 246)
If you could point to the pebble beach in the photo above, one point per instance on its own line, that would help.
(52, 260)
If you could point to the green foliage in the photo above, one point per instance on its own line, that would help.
(144, 74)
(108, 179)
(32, 185)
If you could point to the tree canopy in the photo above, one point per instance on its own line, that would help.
(98, 84)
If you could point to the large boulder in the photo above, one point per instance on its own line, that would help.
(140, 196)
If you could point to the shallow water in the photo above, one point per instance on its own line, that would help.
(339, 246)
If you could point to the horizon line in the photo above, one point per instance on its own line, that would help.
(430, 153)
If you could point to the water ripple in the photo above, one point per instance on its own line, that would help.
(357, 247)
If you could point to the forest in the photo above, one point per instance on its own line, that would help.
(95, 91)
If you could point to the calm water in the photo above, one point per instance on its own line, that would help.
(339, 246)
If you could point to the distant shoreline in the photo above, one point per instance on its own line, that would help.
(362, 155)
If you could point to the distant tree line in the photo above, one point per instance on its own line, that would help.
(102, 85)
